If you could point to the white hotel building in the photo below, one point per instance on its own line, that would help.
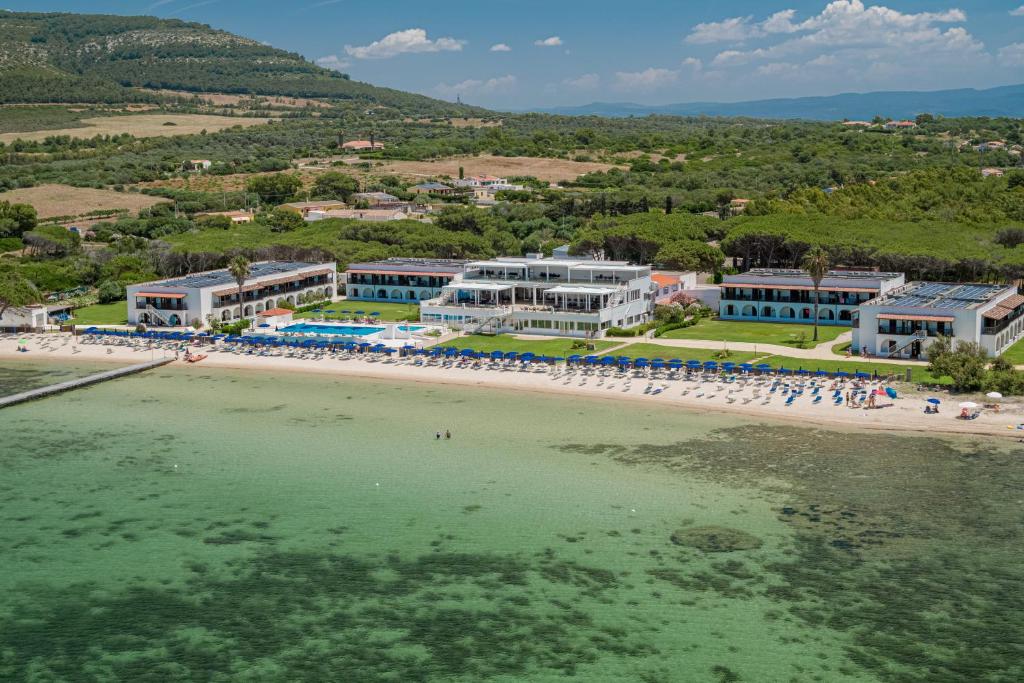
(905, 321)
(537, 295)
(213, 295)
(787, 296)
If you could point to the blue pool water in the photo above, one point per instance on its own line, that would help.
(341, 330)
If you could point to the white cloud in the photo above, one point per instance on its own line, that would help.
(500, 47)
(693, 63)
(474, 86)
(1012, 55)
(332, 62)
(848, 34)
(584, 82)
(553, 41)
(1019, 12)
(648, 79)
(402, 42)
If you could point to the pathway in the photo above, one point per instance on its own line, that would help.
(43, 392)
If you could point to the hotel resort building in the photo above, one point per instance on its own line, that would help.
(537, 295)
(787, 296)
(903, 322)
(401, 279)
(213, 295)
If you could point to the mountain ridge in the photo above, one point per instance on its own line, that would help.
(46, 57)
(1007, 100)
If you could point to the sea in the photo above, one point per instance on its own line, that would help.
(200, 524)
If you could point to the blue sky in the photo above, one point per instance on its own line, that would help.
(533, 53)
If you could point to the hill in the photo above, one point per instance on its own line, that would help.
(1002, 101)
(48, 57)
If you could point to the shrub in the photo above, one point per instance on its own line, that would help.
(110, 291)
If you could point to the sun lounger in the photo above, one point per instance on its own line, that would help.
(789, 401)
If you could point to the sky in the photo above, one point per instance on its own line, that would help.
(535, 53)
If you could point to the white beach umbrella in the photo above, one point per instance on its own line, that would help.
(994, 394)
(968, 404)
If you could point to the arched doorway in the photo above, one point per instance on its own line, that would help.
(749, 312)
(845, 316)
(410, 295)
(826, 314)
(382, 294)
(225, 315)
(767, 312)
(354, 292)
(174, 320)
(730, 310)
(248, 311)
(787, 312)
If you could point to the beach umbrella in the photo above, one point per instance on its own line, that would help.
(934, 401)
(575, 358)
(375, 313)
(497, 355)
(863, 375)
(511, 355)
(785, 371)
(434, 353)
(623, 361)
(526, 357)
(591, 360)
(607, 360)
(820, 373)
(968, 404)
(675, 363)
(641, 362)
(263, 325)
(360, 312)
(467, 352)
(801, 371)
(710, 364)
(842, 373)
(728, 366)
(693, 363)
(994, 394)
(657, 363)
(388, 350)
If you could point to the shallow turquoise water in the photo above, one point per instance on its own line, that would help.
(192, 524)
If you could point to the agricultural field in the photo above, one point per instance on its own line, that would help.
(551, 170)
(141, 126)
(65, 200)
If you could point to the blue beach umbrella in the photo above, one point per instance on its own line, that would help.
(641, 362)
(591, 360)
(622, 360)
(607, 360)
(511, 355)
(842, 373)
(820, 373)
(467, 352)
(497, 355)
(863, 375)
(375, 313)
(934, 401)
(360, 312)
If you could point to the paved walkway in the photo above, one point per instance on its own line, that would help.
(43, 392)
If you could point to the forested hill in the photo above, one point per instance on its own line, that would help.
(104, 58)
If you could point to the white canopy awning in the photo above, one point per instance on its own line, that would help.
(569, 289)
(479, 287)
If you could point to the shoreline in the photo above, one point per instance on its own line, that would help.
(905, 415)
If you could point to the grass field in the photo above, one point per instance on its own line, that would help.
(1015, 354)
(388, 311)
(644, 350)
(559, 346)
(757, 333)
(102, 314)
(919, 373)
(141, 126)
(64, 200)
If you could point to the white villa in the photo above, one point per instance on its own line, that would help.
(905, 321)
(536, 295)
(214, 294)
(787, 296)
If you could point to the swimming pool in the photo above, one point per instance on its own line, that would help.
(342, 330)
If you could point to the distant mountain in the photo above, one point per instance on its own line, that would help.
(55, 57)
(1003, 101)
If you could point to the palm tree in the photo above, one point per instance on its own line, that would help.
(239, 269)
(816, 263)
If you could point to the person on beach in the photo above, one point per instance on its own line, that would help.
(447, 433)
(437, 436)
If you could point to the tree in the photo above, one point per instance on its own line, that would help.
(283, 219)
(816, 263)
(276, 188)
(16, 291)
(239, 267)
(334, 185)
(462, 173)
(110, 291)
(16, 219)
(219, 222)
(963, 362)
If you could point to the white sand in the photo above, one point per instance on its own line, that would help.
(901, 415)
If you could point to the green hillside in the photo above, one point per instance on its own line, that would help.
(48, 57)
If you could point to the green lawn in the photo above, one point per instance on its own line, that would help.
(557, 346)
(756, 333)
(841, 349)
(102, 314)
(388, 311)
(644, 350)
(919, 373)
(1015, 354)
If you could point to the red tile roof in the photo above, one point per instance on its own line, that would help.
(275, 311)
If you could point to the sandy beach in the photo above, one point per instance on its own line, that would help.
(905, 414)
